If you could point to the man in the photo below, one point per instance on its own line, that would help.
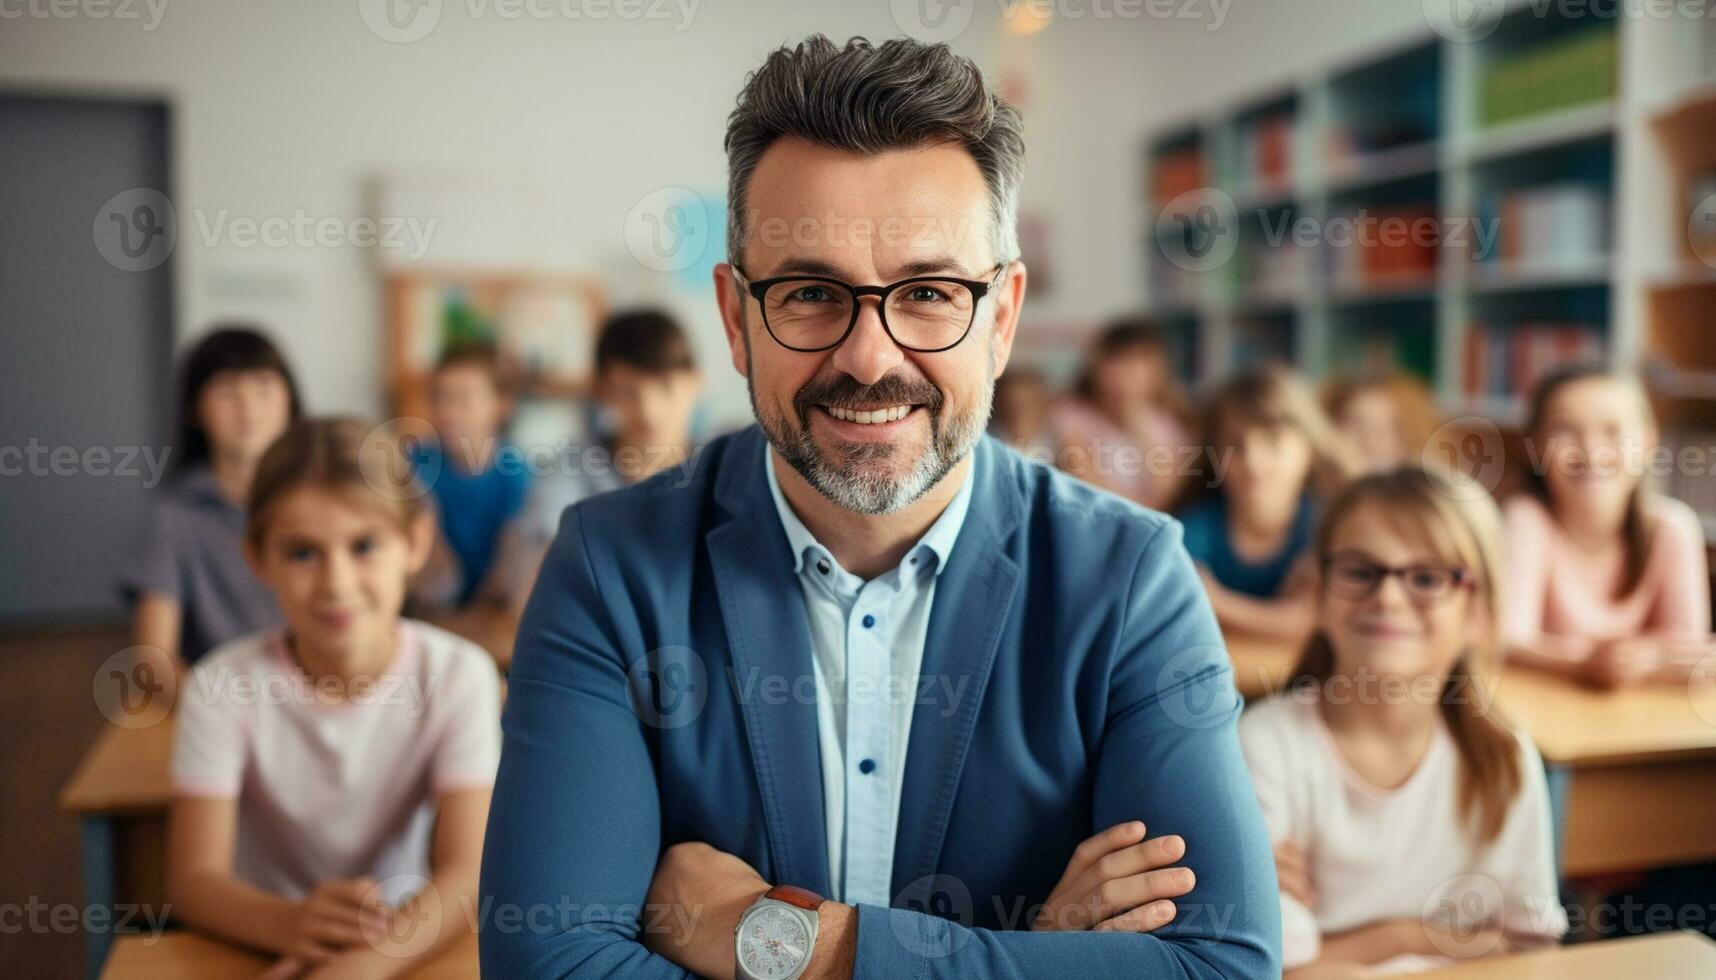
(859, 650)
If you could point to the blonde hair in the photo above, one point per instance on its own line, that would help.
(1460, 523)
(362, 462)
(1274, 394)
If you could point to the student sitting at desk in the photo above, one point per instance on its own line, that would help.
(1608, 578)
(331, 779)
(1409, 823)
(189, 585)
(478, 489)
(1273, 454)
(648, 383)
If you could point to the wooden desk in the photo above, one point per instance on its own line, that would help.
(188, 956)
(1610, 756)
(1632, 773)
(1261, 667)
(1670, 956)
(119, 793)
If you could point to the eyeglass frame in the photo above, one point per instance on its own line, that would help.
(979, 288)
(1463, 579)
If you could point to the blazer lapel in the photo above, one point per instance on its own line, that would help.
(769, 636)
(972, 600)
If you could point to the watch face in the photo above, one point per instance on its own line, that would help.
(773, 944)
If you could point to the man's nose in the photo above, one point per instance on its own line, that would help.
(868, 353)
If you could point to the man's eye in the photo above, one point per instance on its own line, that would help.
(927, 294)
(810, 294)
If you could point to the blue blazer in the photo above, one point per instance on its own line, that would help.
(1074, 678)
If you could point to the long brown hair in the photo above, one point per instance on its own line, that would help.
(1273, 394)
(1635, 525)
(355, 459)
(1459, 521)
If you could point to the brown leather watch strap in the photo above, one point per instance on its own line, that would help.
(802, 898)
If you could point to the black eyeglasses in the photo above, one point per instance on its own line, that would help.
(1353, 576)
(926, 314)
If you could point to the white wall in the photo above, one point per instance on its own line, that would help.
(296, 105)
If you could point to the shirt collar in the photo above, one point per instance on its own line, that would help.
(937, 541)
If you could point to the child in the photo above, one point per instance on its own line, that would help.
(1274, 454)
(1609, 579)
(1125, 409)
(648, 385)
(331, 779)
(479, 485)
(1021, 416)
(1388, 420)
(189, 586)
(1411, 825)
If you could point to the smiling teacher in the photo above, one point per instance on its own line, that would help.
(862, 692)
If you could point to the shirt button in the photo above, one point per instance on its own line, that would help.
(869, 621)
(867, 766)
(822, 565)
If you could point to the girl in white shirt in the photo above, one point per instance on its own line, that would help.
(1411, 824)
(331, 779)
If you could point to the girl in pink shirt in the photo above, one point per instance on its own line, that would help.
(1608, 580)
(332, 778)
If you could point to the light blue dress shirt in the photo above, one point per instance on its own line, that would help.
(867, 645)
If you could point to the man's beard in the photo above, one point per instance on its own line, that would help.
(848, 476)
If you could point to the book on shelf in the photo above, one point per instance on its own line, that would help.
(1503, 361)
(1389, 246)
(1176, 172)
(1264, 158)
(1543, 227)
(1570, 69)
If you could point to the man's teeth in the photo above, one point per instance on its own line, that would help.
(874, 417)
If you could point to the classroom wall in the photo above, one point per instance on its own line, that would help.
(283, 108)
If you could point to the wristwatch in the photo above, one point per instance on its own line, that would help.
(776, 934)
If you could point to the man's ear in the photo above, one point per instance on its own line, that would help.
(729, 297)
(1009, 299)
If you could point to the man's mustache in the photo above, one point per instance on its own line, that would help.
(844, 391)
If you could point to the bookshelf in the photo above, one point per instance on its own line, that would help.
(1563, 166)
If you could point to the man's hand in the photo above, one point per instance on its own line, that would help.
(694, 904)
(1293, 870)
(1118, 881)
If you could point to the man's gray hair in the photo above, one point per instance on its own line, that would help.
(868, 99)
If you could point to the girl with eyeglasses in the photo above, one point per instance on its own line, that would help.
(1411, 823)
(1609, 578)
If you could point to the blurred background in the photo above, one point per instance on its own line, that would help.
(372, 181)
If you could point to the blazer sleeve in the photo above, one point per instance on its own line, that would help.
(1170, 756)
(574, 828)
